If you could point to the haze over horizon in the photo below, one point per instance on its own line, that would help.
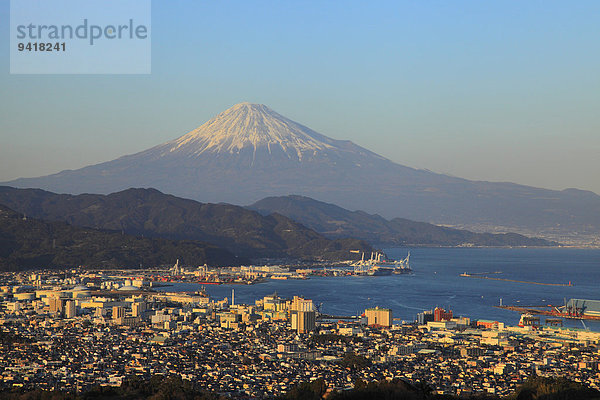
(496, 91)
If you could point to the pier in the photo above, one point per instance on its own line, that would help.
(466, 275)
(552, 311)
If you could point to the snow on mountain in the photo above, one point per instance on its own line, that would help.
(251, 125)
(253, 131)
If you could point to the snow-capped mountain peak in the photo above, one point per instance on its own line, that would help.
(254, 127)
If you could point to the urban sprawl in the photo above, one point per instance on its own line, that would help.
(72, 330)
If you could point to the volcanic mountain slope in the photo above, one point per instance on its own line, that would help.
(26, 243)
(250, 152)
(149, 212)
(333, 221)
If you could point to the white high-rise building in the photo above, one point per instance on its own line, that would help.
(70, 309)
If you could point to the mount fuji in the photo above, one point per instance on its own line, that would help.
(249, 152)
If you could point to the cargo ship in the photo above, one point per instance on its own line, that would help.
(378, 270)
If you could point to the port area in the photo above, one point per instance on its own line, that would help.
(553, 311)
(482, 276)
(253, 274)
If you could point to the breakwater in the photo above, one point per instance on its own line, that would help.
(476, 276)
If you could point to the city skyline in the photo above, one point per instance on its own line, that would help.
(495, 91)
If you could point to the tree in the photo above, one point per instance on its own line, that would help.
(354, 361)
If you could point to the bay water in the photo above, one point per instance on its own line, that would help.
(436, 282)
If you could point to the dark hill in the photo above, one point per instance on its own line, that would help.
(151, 213)
(333, 221)
(31, 243)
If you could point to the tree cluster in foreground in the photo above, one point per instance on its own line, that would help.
(174, 388)
(536, 388)
(132, 388)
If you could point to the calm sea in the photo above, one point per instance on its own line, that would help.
(436, 282)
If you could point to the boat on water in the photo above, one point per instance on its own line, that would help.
(378, 270)
(529, 319)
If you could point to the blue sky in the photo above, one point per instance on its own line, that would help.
(493, 90)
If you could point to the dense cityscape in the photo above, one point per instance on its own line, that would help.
(75, 330)
(390, 200)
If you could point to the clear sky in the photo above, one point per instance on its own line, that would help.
(486, 90)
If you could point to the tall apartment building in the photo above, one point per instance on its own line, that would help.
(302, 315)
(138, 308)
(379, 316)
(301, 304)
(56, 305)
(306, 321)
(70, 309)
(118, 312)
